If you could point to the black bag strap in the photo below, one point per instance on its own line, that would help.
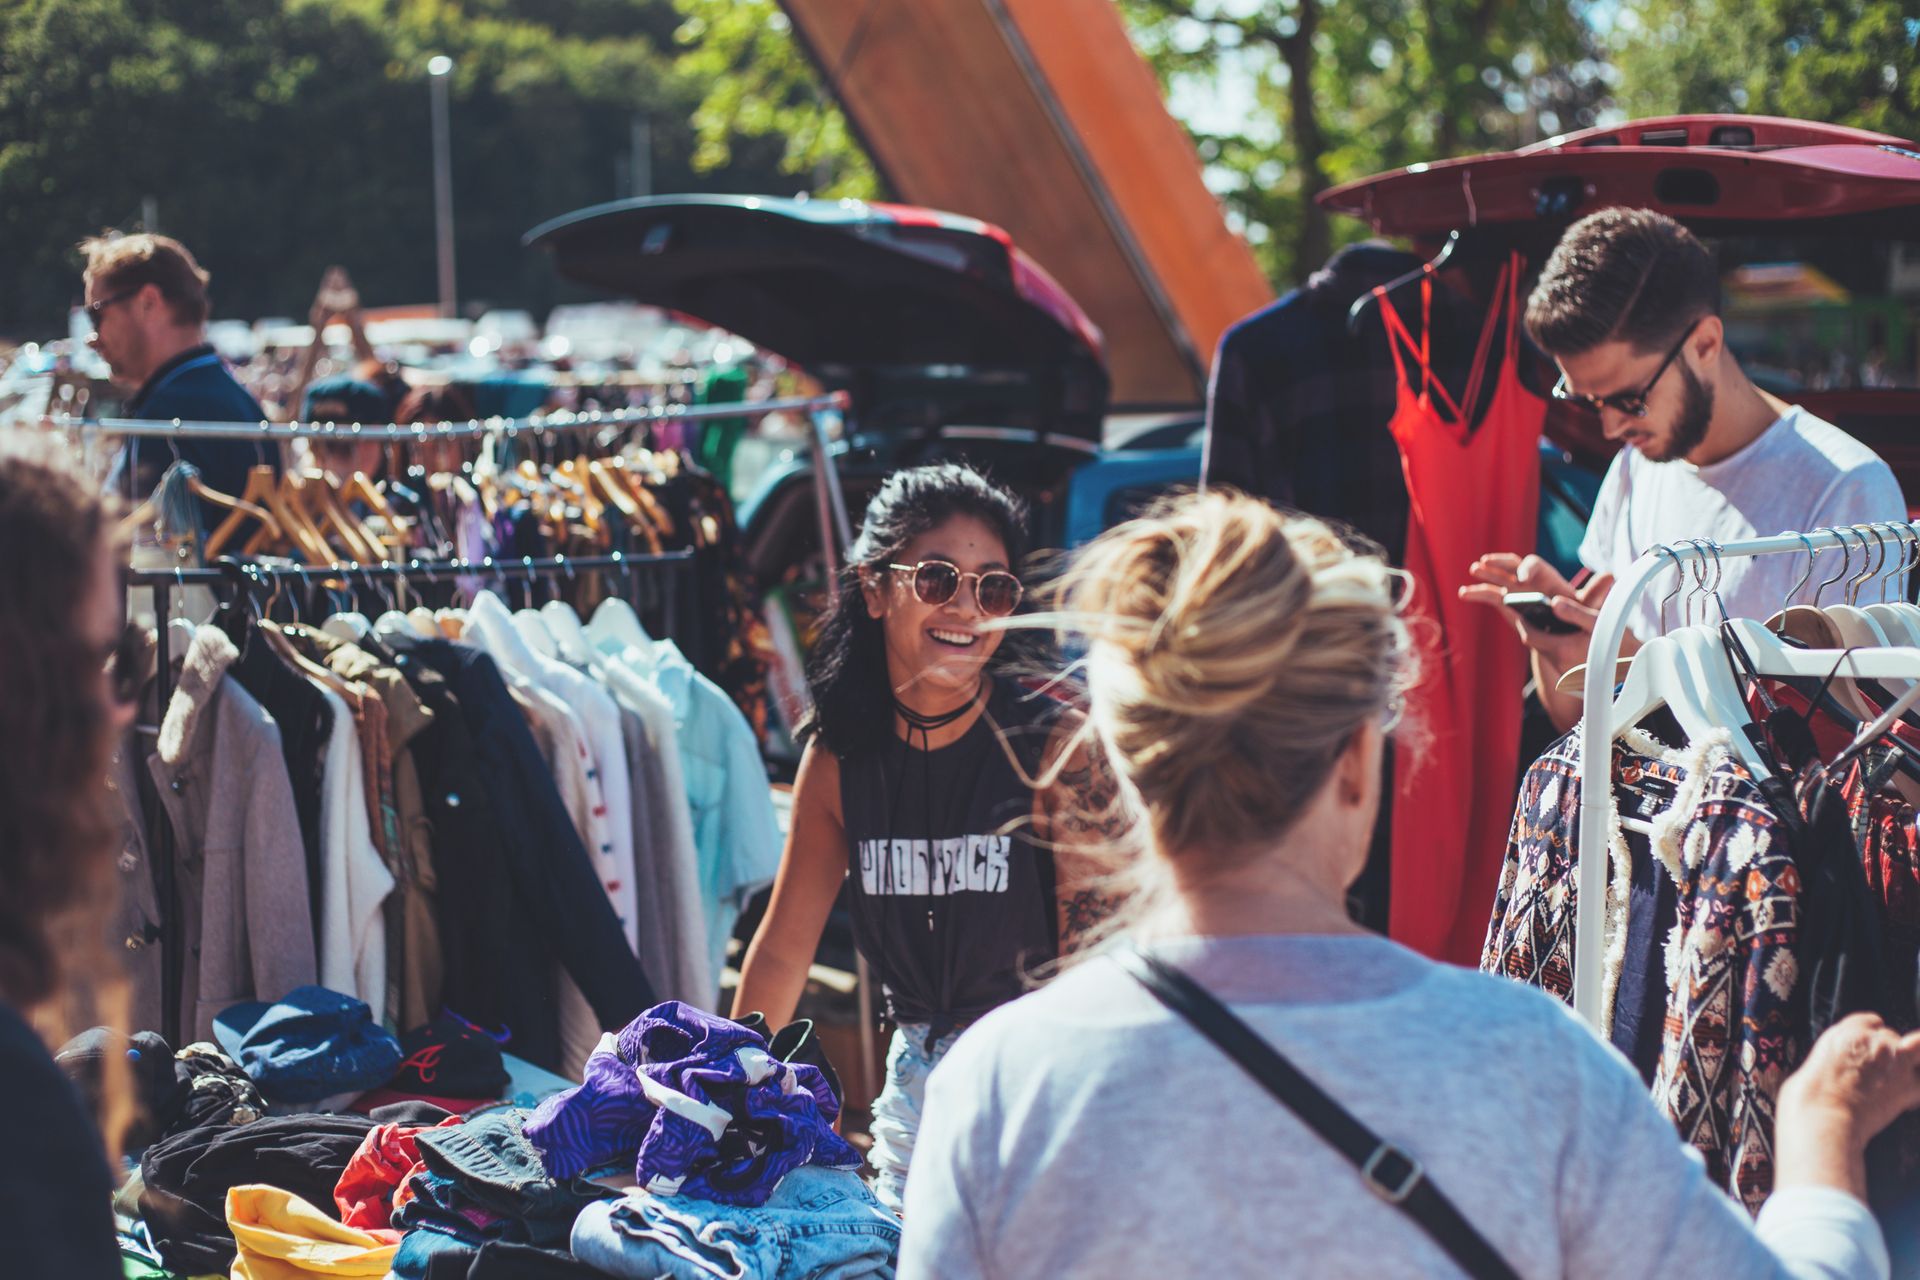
(1389, 1172)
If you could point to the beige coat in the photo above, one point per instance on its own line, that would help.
(240, 867)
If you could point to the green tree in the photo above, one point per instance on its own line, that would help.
(1335, 92)
(1852, 62)
(277, 136)
(759, 84)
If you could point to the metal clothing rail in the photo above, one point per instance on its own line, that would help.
(593, 420)
(1596, 730)
(238, 573)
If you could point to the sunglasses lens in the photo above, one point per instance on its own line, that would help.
(999, 593)
(935, 581)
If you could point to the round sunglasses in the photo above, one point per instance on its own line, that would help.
(937, 581)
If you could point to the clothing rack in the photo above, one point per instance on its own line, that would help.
(1596, 731)
(593, 420)
(239, 575)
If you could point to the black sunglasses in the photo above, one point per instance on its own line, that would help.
(95, 309)
(1631, 403)
(937, 581)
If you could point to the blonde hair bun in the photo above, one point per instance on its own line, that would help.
(1233, 651)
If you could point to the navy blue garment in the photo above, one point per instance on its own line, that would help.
(306, 726)
(517, 892)
(487, 1164)
(427, 1255)
(194, 386)
(55, 1193)
(310, 1044)
(1297, 408)
(1640, 1001)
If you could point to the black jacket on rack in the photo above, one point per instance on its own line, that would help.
(517, 892)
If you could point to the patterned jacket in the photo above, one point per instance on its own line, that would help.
(1734, 1028)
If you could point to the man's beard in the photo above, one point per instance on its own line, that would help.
(1690, 428)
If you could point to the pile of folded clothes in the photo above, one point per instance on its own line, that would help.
(313, 1142)
(735, 1168)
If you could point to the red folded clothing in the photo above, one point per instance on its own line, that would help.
(367, 1188)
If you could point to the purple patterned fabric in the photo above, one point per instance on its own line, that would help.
(699, 1105)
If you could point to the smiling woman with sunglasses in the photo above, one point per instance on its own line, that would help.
(921, 789)
(61, 711)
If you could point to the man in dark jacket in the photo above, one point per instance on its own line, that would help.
(147, 300)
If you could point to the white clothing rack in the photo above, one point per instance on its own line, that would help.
(422, 432)
(1596, 732)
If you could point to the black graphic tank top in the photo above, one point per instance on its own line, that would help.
(952, 899)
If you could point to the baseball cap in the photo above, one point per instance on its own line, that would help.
(448, 1062)
(310, 1044)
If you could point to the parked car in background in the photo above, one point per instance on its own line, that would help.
(949, 341)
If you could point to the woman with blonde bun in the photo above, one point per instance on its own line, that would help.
(1244, 668)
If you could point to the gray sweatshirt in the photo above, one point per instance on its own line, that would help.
(1086, 1131)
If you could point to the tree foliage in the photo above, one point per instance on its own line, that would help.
(759, 84)
(1335, 92)
(1852, 62)
(278, 136)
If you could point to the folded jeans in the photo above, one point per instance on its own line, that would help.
(818, 1223)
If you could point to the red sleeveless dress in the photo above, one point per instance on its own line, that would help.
(1474, 488)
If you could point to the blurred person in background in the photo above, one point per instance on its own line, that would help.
(146, 298)
(68, 679)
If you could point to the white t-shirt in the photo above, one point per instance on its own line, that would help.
(1085, 1131)
(1800, 474)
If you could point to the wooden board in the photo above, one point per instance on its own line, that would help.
(1039, 116)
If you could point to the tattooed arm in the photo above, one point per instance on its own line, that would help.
(1086, 823)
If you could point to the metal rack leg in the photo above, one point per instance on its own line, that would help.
(163, 848)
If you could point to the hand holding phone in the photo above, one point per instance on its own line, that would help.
(1536, 610)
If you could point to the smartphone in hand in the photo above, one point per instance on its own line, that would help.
(1536, 610)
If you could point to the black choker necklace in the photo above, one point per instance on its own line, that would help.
(926, 723)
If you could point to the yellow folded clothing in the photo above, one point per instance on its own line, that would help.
(282, 1237)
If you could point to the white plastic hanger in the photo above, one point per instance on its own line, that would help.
(349, 626)
(616, 626)
(1687, 672)
(1899, 619)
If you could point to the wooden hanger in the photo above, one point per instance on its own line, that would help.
(656, 514)
(365, 546)
(289, 508)
(241, 510)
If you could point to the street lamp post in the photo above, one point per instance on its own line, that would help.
(439, 70)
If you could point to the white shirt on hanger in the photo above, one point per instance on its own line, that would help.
(355, 881)
(675, 861)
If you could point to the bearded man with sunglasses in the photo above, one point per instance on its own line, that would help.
(1628, 307)
(146, 298)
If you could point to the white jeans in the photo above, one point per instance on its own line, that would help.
(896, 1112)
